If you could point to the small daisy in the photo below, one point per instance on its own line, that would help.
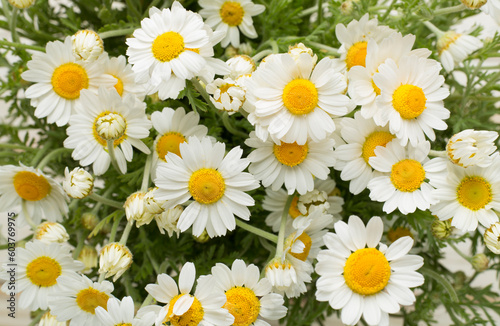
(125, 84)
(362, 280)
(168, 219)
(79, 299)
(182, 308)
(35, 195)
(231, 17)
(120, 313)
(492, 238)
(78, 183)
(289, 275)
(405, 170)
(59, 79)
(472, 147)
(215, 182)
(48, 232)
(453, 48)
(468, 195)
(114, 259)
(38, 271)
(226, 95)
(87, 45)
(411, 98)
(290, 164)
(240, 65)
(103, 117)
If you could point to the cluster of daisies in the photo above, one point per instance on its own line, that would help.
(297, 105)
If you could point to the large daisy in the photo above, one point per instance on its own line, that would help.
(59, 78)
(31, 194)
(215, 182)
(362, 280)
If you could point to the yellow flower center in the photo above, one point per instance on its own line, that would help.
(356, 55)
(123, 324)
(367, 271)
(290, 154)
(88, 299)
(474, 192)
(191, 317)
(43, 271)
(375, 88)
(376, 138)
(118, 85)
(243, 304)
(206, 186)
(407, 175)
(294, 210)
(399, 232)
(168, 46)
(300, 96)
(107, 117)
(30, 186)
(69, 79)
(306, 240)
(409, 101)
(169, 142)
(232, 13)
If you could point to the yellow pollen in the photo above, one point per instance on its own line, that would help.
(191, 317)
(399, 232)
(446, 40)
(375, 88)
(367, 271)
(30, 186)
(169, 142)
(193, 50)
(300, 96)
(123, 324)
(88, 299)
(68, 80)
(290, 154)
(206, 186)
(119, 85)
(356, 55)
(232, 13)
(294, 210)
(474, 192)
(168, 46)
(409, 101)
(306, 240)
(377, 138)
(101, 140)
(243, 304)
(407, 175)
(43, 271)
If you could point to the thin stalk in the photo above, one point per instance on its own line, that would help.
(324, 47)
(203, 92)
(13, 25)
(461, 254)
(36, 319)
(257, 231)
(449, 10)
(114, 228)
(126, 232)
(102, 277)
(274, 46)
(441, 280)
(16, 146)
(111, 151)
(281, 234)
(147, 301)
(51, 156)
(118, 32)
(433, 29)
(438, 153)
(95, 209)
(261, 55)
(320, 11)
(145, 176)
(22, 46)
(106, 201)
(229, 126)
(39, 154)
(79, 247)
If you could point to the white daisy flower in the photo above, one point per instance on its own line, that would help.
(472, 147)
(293, 100)
(411, 98)
(289, 275)
(59, 79)
(48, 232)
(214, 181)
(492, 238)
(248, 299)
(87, 45)
(168, 219)
(41, 196)
(182, 308)
(231, 17)
(22, 4)
(240, 65)
(473, 4)
(290, 164)
(78, 300)
(362, 280)
(468, 195)
(124, 76)
(102, 117)
(226, 95)
(118, 313)
(78, 183)
(40, 267)
(135, 209)
(88, 256)
(453, 48)
(50, 320)
(492, 8)
(405, 170)
(114, 259)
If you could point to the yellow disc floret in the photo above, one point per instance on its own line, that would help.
(30, 186)
(300, 96)
(43, 271)
(104, 117)
(119, 85)
(407, 175)
(356, 55)
(290, 154)
(375, 88)
(193, 316)
(474, 192)
(232, 13)
(88, 299)
(168, 46)
(169, 142)
(409, 101)
(294, 210)
(306, 240)
(367, 271)
(376, 138)
(69, 79)
(206, 186)
(243, 304)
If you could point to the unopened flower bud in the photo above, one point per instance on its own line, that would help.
(473, 4)
(296, 50)
(89, 221)
(111, 126)
(87, 45)
(114, 259)
(88, 256)
(135, 209)
(395, 233)
(202, 238)
(346, 7)
(480, 262)
(152, 204)
(51, 232)
(78, 183)
(167, 221)
(240, 65)
(50, 320)
(441, 229)
(22, 4)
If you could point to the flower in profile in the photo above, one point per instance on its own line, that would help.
(362, 280)
(114, 259)
(215, 181)
(22, 4)
(226, 95)
(78, 183)
(240, 65)
(453, 48)
(124, 76)
(87, 45)
(289, 275)
(472, 147)
(50, 320)
(168, 219)
(492, 238)
(121, 313)
(231, 17)
(474, 4)
(48, 232)
(135, 209)
(88, 256)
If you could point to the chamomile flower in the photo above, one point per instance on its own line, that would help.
(468, 195)
(453, 48)
(40, 267)
(492, 238)
(474, 4)
(103, 117)
(472, 147)
(124, 76)
(168, 219)
(41, 196)
(226, 95)
(118, 313)
(22, 4)
(78, 183)
(215, 182)
(114, 259)
(59, 79)
(247, 297)
(492, 8)
(290, 164)
(87, 45)
(240, 65)
(48, 232)
(288, 275)
(231, 17)
(50, 320)
(362, 280)
(411, 98)
(405, 170)
(183, 308)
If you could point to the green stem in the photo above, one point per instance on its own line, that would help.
(203, 93)
(449, 10)
(147, 301)
(324, 47)
(51, 156)
(118, 32)
(108, 191)
(388, 11)
(114, 228)
(434, 29)
(111, 152)
(79, 247)
(102, 277)
(281, 234)
(126, 232)
(441, 280)
(261, 54)
(460, 253)
(39, 154)
(16, 146)
(147, 172)
(21, 46)
(106, 201)
(13, 25)
(320, 11)
(438, 153)
(37, 319)
(257, 231)
(229, 126)
(274, 46)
